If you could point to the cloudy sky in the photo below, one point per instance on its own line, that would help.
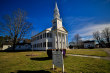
(81, 17)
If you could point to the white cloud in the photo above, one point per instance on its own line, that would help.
(87, 38)
(84, 26)
(88, 30)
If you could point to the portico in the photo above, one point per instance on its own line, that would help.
(60, 41)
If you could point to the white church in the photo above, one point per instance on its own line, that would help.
(55, 37)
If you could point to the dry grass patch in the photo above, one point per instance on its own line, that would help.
(91, 52)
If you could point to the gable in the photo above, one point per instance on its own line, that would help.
(63, 29)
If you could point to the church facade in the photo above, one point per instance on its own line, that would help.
(55, 37)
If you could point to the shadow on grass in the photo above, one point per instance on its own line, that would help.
(26, 71)
(41, 58)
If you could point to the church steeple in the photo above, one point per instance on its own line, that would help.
(57, 22)
(56, 12)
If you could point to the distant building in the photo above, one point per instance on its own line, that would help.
(97, 46)
(47, 39)
(6, 46)
(23, 46)
(89, 44)
(71, 45)
(20, 46)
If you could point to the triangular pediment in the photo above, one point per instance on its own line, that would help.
(63, 29)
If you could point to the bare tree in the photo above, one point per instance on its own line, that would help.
(97, 37)
(106, 35)
(77, 40)
(16, 26)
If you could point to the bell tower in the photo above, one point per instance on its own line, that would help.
(56, 22)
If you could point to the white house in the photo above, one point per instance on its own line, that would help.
(6, 46)
(23, 46)
(20, 46)
(71, 45)
(89, 44)
(52, 38)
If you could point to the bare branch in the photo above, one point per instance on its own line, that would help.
(16, 25)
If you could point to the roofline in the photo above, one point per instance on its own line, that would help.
(48, 30)
(41, 32)
(60, 30)
(65, 29)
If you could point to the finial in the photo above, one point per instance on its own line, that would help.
(56, 11)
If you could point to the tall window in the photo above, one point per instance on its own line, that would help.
(40, 44)
(37, 45)
(40, 36)
(49, 35)
(33, 39)
(34, 45)
(44, 35)
(44, 44)
(37, 37)
(49, 44)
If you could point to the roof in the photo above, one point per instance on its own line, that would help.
(49, 29)
(23, 43)
(71, 43)
(88, 41)
(7, 43)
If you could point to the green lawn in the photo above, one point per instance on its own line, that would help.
(18, 62)
(92, 52)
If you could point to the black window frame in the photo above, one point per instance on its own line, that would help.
(49, 44)
(41, 36)
(44, 44)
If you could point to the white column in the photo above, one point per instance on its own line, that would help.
(61, 41)
(46, 40)
(32, 45)
(54, 40)
(65, 41)
(57, 40)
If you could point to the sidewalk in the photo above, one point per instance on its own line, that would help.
(107, 58)
(107, 50)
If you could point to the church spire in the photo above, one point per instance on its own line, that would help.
(56, 12)
(57, 22)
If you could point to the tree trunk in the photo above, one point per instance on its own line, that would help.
(108, 40)
(14, 43)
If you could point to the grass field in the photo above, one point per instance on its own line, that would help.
(91, 52)
(18, 62)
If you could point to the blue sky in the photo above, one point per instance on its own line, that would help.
(79, 16)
